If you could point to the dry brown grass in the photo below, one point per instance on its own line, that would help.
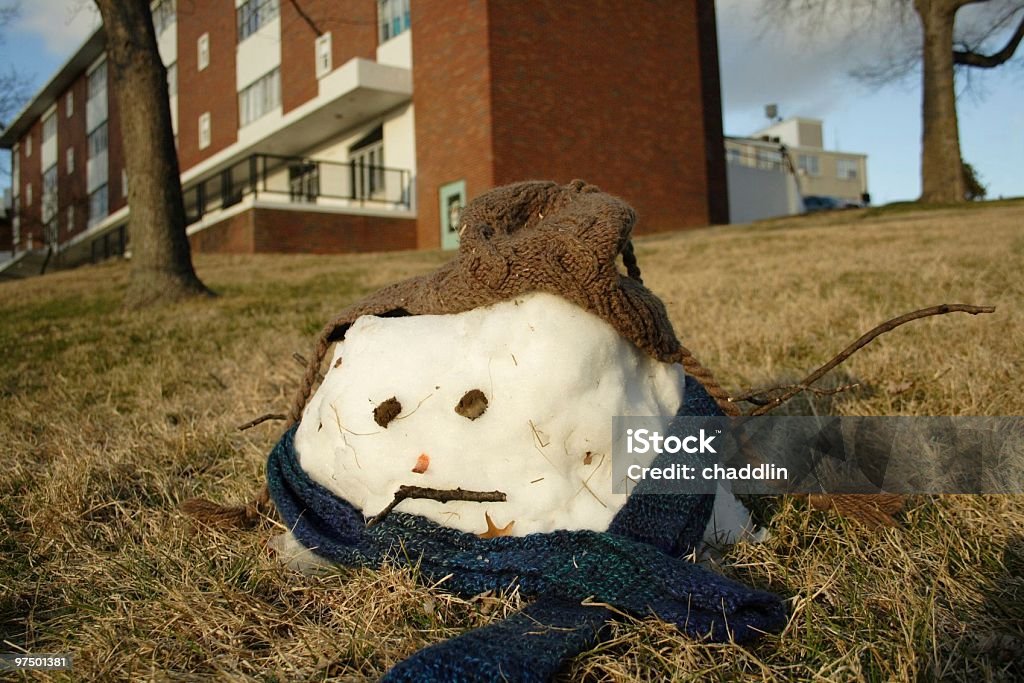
(111, 419)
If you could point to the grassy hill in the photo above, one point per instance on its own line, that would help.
(111, 418)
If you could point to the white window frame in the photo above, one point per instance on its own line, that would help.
(92, 141)
(103, 208)
(252, 15)
(393, 19)
(49, 127)
(93, 81)
(259, 98)
(324, 59)
(851, 167)
(769, 159)
(48, 206)
(203, 51)
(69, 104)
(69, 160)
(205, 130)
(810, 164)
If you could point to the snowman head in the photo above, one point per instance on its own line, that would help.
(514, 397)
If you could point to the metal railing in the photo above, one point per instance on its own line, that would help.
(299, 180)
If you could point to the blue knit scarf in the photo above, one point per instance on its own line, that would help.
(634, 567)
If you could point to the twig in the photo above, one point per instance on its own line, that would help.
(440, 495)
(261, 419)
(761, 397)
(864, 340)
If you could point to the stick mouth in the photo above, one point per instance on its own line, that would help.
(440, 495)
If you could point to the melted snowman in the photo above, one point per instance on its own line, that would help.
(514, 397)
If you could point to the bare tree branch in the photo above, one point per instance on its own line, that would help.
(967, 57)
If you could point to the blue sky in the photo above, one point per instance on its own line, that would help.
(760, 65)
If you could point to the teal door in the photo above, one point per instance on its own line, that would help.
(453, 198)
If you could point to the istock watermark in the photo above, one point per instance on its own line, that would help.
(772, 455)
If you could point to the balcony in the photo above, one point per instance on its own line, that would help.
(300, 181)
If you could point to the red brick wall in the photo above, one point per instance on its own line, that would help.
(305, 232)
(353, 28)
(231, 236)
(213, 88)
(71, 188)
(608, 91)
(451, 86)
(330, 233)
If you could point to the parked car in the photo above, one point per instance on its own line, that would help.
(813, 203)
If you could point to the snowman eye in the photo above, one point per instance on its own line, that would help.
(472, 405)
(387, 411)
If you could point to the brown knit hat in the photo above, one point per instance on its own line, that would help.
(534, 237)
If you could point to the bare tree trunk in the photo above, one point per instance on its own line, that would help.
(941, 165)
(161, 258)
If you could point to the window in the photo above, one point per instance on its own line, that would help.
(769, 159)
(69, 159)
(98, 141)
(204, 130)
(28, 144)
(847, 169)
(49, 206)
(808, 163)
(70, 218)
(252, 15)
(366, 161)
(203, 51)
(28, 194)
(124, 182)
(732, 155)
(97, 84)
(392, 17)
(15, 170)
(323, 55)
(69, 104)
(50, 128)
(172, 79)
(98, 205)
(163, 16)
(259, 98)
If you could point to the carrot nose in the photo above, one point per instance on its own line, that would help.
(422, 463)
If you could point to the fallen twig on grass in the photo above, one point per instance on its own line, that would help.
(790, 391)
(261, 419)
(440, 495)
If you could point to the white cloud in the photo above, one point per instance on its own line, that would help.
(61, 24)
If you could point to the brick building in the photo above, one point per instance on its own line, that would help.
(362, 125)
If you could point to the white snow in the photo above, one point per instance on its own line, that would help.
(553, 374)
